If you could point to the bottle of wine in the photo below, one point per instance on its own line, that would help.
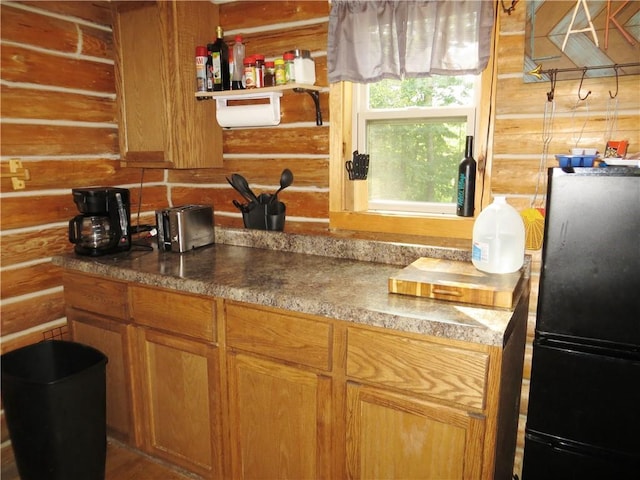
(466, 182)
(219, 53)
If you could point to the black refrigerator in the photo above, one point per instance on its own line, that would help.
(583, 419)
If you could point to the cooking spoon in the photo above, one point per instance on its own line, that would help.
(241, 185)
(286, 179)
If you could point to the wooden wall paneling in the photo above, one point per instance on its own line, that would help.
(307, 171)
(31, 312)
(35, 244)
(47, 105)
(587, 129)
(304, 140)
(93, 11)
(77, 172)
(27, 139)
(251, 14)
(22, 65)
(300, 107)
(29, 278)
(272, 31)
(531, 97)
(299, 203)
(18, 213)
(43, 31)
(276, 41)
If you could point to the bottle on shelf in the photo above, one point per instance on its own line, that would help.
(259, 70)
(289, 67)
(201, 68)
(281, 74)
(269, 74)
(466, 182)
(304, 66)
(219, 53)
(237, 77)
(250, 72)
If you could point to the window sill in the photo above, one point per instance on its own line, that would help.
(449, 226)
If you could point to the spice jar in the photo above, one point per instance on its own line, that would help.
(289, 67)
(269, 74)
(259, 71)
(281, 74)
(250, 72)
(304, 66)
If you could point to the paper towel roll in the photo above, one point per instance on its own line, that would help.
(258, 115)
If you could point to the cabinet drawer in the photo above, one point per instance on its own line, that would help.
(174, 312)
(439, 371)
(280, 335)
(96, 294)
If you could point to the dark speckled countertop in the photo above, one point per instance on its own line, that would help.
(325, 276)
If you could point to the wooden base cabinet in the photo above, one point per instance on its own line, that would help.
(97, 315)
(278, 418)
(280, 393)
(396, 436)
(226, 389)
(178, 377)
(112, 338)
(180, 400)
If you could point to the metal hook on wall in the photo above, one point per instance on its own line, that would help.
(509, 9)
(552, 80)
(584, 72)
(615, 68)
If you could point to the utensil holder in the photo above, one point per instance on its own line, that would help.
(265, 215)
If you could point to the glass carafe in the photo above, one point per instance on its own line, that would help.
(91, 231)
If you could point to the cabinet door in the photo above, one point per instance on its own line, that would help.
(279, 420)
(181, 401)
(113, 339)
(161, 124)
(396, 436)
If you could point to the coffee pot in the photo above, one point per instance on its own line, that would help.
(103, 226)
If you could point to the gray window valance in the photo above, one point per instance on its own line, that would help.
(377, 39)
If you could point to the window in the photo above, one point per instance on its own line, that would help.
(414, 131)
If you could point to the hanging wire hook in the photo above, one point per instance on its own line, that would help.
(584, 72)
(552, 80)
(615, 68)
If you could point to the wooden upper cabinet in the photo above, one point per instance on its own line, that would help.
(161, 124)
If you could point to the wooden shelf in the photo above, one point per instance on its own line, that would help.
(253, 92)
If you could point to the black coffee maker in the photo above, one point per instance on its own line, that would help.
(104, 225)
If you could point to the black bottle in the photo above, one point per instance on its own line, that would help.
(466, 182)
(219, 63)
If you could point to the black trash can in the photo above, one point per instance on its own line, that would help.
(54, 397)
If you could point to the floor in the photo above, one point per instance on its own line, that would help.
(122, 464)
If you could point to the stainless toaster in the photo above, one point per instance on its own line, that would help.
(185, 228)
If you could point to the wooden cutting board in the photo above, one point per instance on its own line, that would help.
(457, 282)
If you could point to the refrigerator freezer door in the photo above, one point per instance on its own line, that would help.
(547, 459)
(590, 279)
(585, 398)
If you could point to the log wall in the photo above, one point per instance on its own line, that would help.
(58, 118)
(260, 154)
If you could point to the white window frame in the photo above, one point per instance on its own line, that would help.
(361, 114)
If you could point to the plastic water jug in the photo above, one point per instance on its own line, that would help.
(498, 238)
